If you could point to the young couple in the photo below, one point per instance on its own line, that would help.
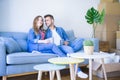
(38, 39)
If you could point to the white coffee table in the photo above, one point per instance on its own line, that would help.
(91, 57)
(52, 68)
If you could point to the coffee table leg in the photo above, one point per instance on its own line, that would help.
(39, 75)
(76, 68)
(51, 75)
(103, 67)
(72, 71)
(58, 75)
(90, 69)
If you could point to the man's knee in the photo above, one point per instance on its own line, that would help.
(67, 49)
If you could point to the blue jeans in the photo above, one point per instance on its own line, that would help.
(73, 46)
(50, 48)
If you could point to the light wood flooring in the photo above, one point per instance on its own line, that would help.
(64, 73)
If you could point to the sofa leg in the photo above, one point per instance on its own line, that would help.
(4, 78)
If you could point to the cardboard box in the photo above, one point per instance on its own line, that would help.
(104, 1)
(99, 73)
(117, 34)
(110, 8)
(117, 51)
(104, 46)
(112, 69)
(117, 43)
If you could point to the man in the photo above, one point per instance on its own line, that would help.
(61, 39)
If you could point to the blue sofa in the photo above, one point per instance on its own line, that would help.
(14, 58)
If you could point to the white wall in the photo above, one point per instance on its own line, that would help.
(18, 15)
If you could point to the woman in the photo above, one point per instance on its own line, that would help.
(37, 41)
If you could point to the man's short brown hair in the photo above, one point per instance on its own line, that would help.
(49, 15)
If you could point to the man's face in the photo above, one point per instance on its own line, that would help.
(48, 21)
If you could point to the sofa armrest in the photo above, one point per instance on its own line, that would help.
(2, 59)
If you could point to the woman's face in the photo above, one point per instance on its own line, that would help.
(39, 22)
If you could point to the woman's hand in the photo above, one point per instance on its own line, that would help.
(46, 41)
(43, 41)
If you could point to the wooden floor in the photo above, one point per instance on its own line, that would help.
(64, 73)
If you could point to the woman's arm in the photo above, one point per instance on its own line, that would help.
(31, 36)
(35, 38)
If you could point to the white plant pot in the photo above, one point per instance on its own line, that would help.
(88, 50)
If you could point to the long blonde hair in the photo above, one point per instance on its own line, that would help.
(35, 24)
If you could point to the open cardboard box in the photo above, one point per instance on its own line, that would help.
(112, 69)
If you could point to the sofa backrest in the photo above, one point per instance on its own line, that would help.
(19, 37)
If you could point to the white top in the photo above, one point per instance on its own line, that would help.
(95, 55)
(56, 37)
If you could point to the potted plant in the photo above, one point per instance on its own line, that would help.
(94, 17)
(88, 47)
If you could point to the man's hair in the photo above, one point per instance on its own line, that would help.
(49, 15)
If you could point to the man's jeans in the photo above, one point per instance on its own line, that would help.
(74, 46)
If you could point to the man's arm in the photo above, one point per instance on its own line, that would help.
(65, 37)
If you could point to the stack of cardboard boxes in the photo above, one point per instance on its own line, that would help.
(107, 32)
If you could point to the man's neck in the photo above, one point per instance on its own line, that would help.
(52, 27)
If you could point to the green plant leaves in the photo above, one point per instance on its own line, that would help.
(93, 15)
(102, 16)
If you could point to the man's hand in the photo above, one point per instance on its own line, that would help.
(66, 43)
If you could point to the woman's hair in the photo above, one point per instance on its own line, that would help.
(35, 25)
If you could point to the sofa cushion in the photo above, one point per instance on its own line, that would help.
(26, 58)
(20, 37)
(70, 34)
(11, 45)
(23, 44)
